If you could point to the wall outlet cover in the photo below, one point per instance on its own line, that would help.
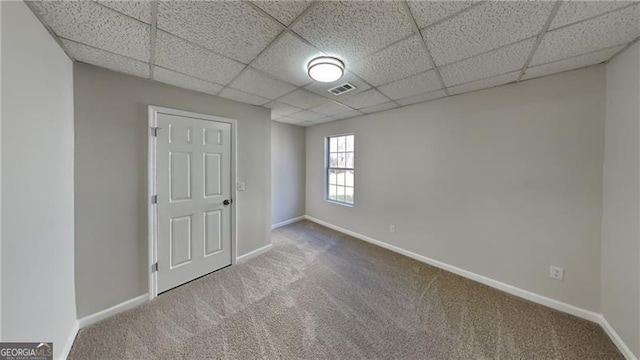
(556, 272)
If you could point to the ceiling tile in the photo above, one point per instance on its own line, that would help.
(288, 120)
(177, 54)
(106, 59)
(347, 115)
(281, 109)
(574, 11)
(323, 120)
(485, 83)
(242, 96)
(402, 59)
(275, 116)
(254, 82)
(421, 98)
(184, 81)
(352, 29)
(604, 31)
(322, 88)
(331, 108)
(231, 28)
(91, 24)
(287, 59)
(506, 59)
(306, 115)
(429, 12)
(284, 11)
(140, 10)
(486, 27)
(413, 85)
(378, 108)
(303, 99)
(571, 63)
(368, 98)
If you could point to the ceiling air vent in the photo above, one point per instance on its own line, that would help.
(341, 89)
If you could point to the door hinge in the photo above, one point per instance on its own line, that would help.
(154, 267)
(155, 131)
(154, 199)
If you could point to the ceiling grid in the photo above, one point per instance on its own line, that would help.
(397, 53)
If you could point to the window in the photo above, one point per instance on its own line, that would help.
(340, 169)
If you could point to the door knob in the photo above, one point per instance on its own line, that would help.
(227, 202)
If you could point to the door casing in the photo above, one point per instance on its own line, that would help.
(152, 209)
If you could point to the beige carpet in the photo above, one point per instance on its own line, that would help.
(319, 294)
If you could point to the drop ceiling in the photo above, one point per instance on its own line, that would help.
(397, 53)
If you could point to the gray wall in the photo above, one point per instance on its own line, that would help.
(620, 295)
(502, 182)
(288, 157)
(38, 299)
(111, 179)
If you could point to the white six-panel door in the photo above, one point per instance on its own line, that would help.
(193, 181)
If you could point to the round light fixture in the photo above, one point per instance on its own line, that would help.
(325, 69)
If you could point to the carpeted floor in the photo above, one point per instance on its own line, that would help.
(319, 294)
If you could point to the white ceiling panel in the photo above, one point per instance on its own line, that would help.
(500, 61)
(368, 98)
(95, 25)
(378, 108)
(140, 10)
(485, 83)
(284, 11)
(288, 120)
(571, 63)
(275, 116)
(254, 82)
(323, 88)
(323, 120)
(287, 59)
(347, 115)
(429, 12)
(242, 96)
(486, 27)
(306, 115)
(577, 10)
(413, 85)
(230, 28)
(281, 109)
(602, 32)
(303, 99)
(184, 81)
(402, 59)
(176, 54)
(351, 29)
(421, 97)
(106, 60)
(331, 108)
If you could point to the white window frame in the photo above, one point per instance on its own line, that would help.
(327, 168)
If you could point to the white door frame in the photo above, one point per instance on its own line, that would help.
(152, 209)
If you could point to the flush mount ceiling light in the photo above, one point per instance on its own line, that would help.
(325, 69)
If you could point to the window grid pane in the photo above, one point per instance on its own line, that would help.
(340, 170)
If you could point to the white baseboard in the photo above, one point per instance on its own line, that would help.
(69, 343)
(253, 253)
(287, 222)
(116, 309)
(624, 349)
(525, 294)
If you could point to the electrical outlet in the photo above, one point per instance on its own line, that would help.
(240, 186)
(556, 273)
(392, 229)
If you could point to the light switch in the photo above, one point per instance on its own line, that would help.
(240, 186)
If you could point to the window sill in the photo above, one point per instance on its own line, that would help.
(339, 203)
